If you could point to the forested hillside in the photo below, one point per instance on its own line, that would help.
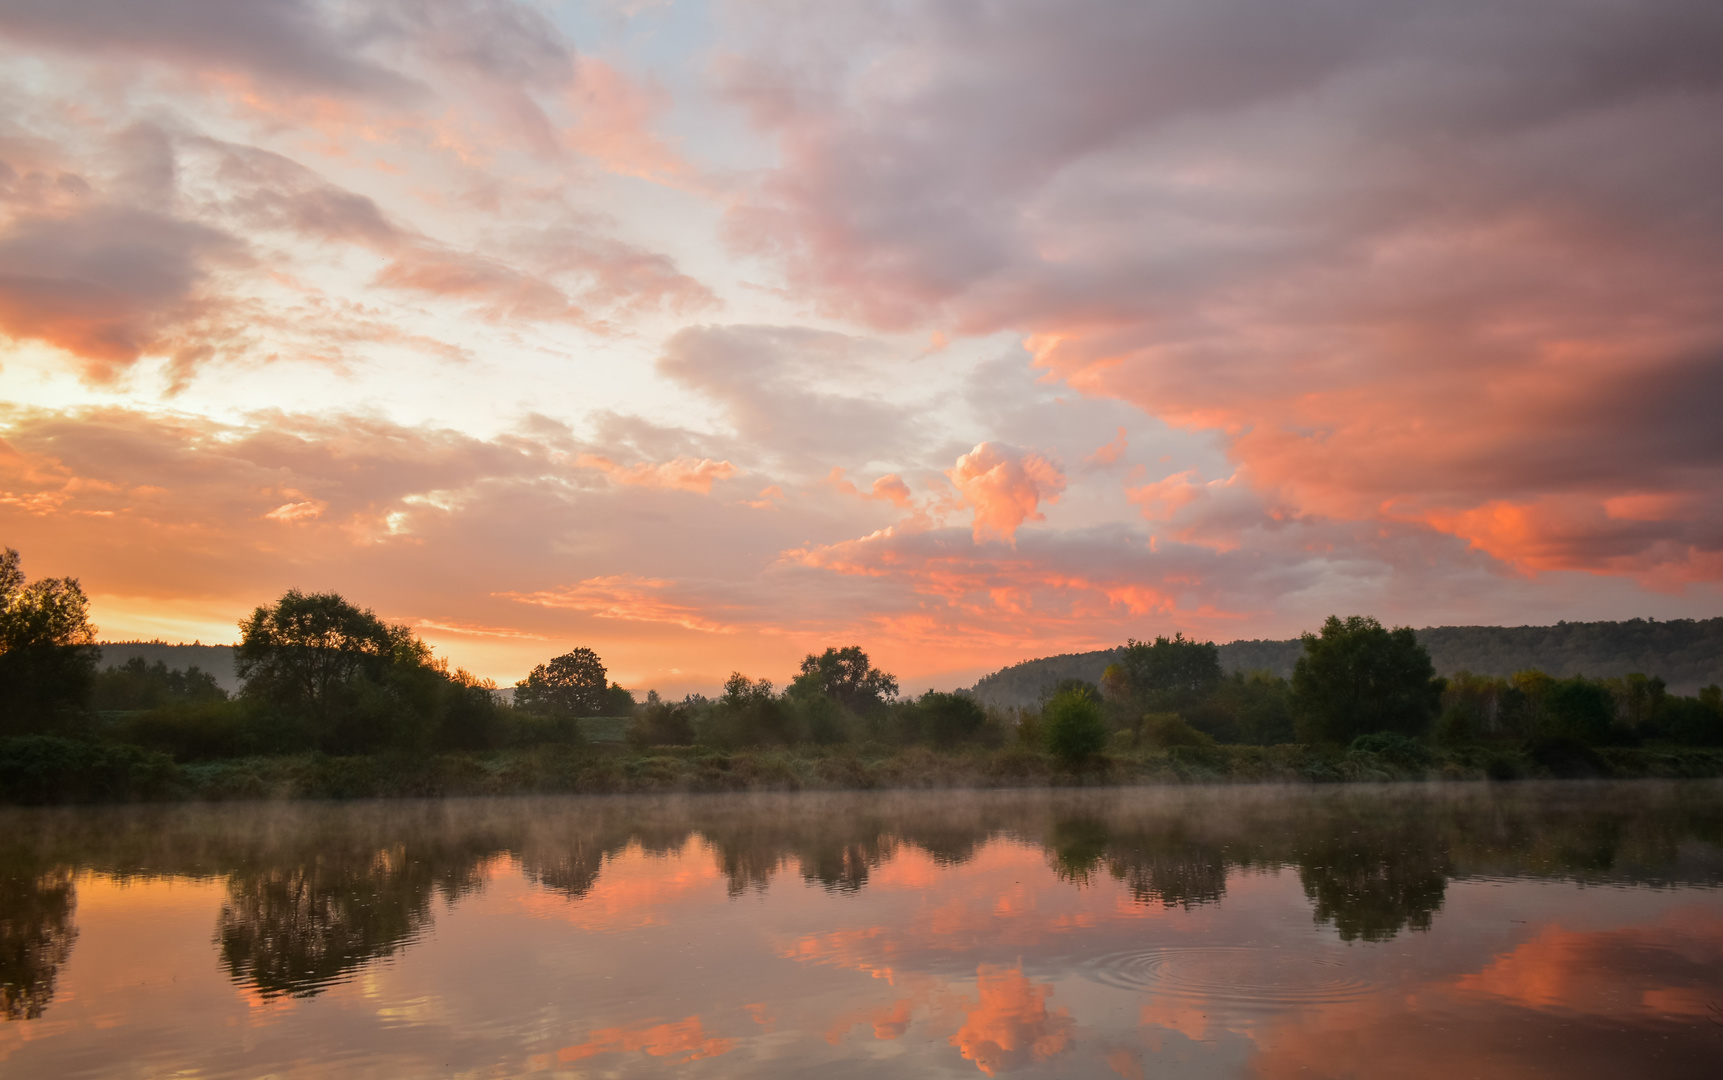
(215, 659)
(1685, 653)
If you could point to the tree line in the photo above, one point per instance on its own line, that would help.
(321, 674)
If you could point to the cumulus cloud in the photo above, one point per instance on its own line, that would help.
(1005, 487)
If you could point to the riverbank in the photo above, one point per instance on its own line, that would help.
(42, 770)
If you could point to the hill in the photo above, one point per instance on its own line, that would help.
(1686, 653)
(215, 659)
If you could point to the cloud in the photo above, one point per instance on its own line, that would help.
(1223, 214)
(628, 598)
(680, 474)
(686, 1040)
(1005, 486)
(768, 380)
(108, 283)
(1009, 1025)
(288, 40)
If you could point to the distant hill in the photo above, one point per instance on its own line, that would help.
(1686, 653)
(215, 659)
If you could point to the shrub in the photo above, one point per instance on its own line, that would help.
(1163, 731)
(50, 769)
(1394, 748)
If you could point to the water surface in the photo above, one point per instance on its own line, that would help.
(1569, 930)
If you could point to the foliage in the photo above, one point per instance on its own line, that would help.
(1172, 671)
(1163, 731)
(308, 652)
(137, 685)
(846, 676)
(354, 684)
(572, 684)
(944, 720)
(659, 723)
(54, 769)
(47, 651)
(748, 714)
(1577, 709)
(1357, 678)
(1075, 727)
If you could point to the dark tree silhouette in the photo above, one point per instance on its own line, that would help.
(47, 651)
(845, 676)
(573, 684)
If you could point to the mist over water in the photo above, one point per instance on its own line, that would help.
(1564, 929)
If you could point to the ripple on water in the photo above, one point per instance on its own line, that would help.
(1241, 976)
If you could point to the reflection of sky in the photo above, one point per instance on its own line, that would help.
(995, 964)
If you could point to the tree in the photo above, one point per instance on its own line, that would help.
(306, 651)
(47, 650)
(1074, 726)
(573, 684)
(1357, 678)
(1172, 672)
(846, 676)
(944, 719)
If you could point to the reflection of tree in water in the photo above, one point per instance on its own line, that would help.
(1373, 883)
(1172, 875)
(1076, 846)
(36, 936)
(295, 928)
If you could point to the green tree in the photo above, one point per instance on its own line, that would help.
(944, 719)
(1172, 671)
(846, 676)
(573, 684)
(306, 651)
(355, 683)
(47, 651)
(1357, 678)
(1074, 726)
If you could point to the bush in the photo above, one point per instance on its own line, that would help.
(1076, 728)
(1163, 731)
(1394, 748)
(49, 769)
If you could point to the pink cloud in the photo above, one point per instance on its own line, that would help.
(1111, 452)
(1005, 487)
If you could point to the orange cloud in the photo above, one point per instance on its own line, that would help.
(686, 1040)
(678, 474)
(628, 598)
(1005, 487)
(1111, 452)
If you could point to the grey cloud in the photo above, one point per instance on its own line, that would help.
(291, 41)
(764, 378)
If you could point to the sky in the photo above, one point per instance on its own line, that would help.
(709, 334)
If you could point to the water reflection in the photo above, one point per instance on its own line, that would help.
(36, 936)
(1242, 922)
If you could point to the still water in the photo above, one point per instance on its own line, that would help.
(1570, 930)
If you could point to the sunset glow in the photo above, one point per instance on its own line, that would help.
(709, 333)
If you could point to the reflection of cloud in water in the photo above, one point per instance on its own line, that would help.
(686, 1040)
(1009, 1025)
(1638, 1001)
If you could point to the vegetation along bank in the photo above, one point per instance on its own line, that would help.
(335, 703)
